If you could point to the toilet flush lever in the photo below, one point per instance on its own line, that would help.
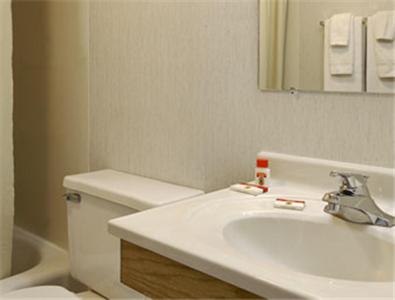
(72, 197)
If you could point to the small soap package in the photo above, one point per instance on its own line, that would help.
(249, 188)
(289, 204)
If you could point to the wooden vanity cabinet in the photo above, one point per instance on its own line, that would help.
(158, 277)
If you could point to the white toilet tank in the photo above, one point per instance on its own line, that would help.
(92, 200)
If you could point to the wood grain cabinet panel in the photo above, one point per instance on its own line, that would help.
(159, 277)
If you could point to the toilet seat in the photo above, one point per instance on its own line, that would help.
(41, 292)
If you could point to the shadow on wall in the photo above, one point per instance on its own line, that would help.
(50, 110)
(30, 29)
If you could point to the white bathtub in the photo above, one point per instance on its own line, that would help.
(36, 261)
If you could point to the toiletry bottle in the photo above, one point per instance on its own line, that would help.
(262, 172)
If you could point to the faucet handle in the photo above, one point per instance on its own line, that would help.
(352, 181)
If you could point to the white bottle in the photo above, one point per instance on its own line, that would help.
(262, 172)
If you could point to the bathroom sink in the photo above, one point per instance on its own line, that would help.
(273, 252)
(278, 252)
(318, 247)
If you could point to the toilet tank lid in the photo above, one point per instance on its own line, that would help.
(133, 191)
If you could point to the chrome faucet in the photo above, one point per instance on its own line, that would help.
(353, 202)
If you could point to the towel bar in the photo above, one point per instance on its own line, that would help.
(364, 22)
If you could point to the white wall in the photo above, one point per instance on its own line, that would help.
(174, 96)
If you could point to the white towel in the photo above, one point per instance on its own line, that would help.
(376, 84)
(384, 47)
(341, 29)
(341, 57)
(385, 59)
(384, 27)
(356, 81)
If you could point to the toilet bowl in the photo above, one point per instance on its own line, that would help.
(92, 200)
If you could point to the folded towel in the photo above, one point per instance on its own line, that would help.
(355, 81)
(385, 59)
(384, 49)
(384, 27)
(341, 58)
(375, 84)
(341, 29)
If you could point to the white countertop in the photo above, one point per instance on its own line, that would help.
(191, 232)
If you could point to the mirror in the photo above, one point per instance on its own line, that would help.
(298, 47)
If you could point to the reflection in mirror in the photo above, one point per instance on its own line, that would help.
(327, 45)
(273, 16)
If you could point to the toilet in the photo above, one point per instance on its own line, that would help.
(92, 200)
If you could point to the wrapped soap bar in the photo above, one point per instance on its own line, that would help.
(289, 204)
(248, 188)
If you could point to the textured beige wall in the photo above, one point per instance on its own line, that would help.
(174, 96)
(51, 109)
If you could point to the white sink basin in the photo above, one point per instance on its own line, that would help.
(340, 250)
